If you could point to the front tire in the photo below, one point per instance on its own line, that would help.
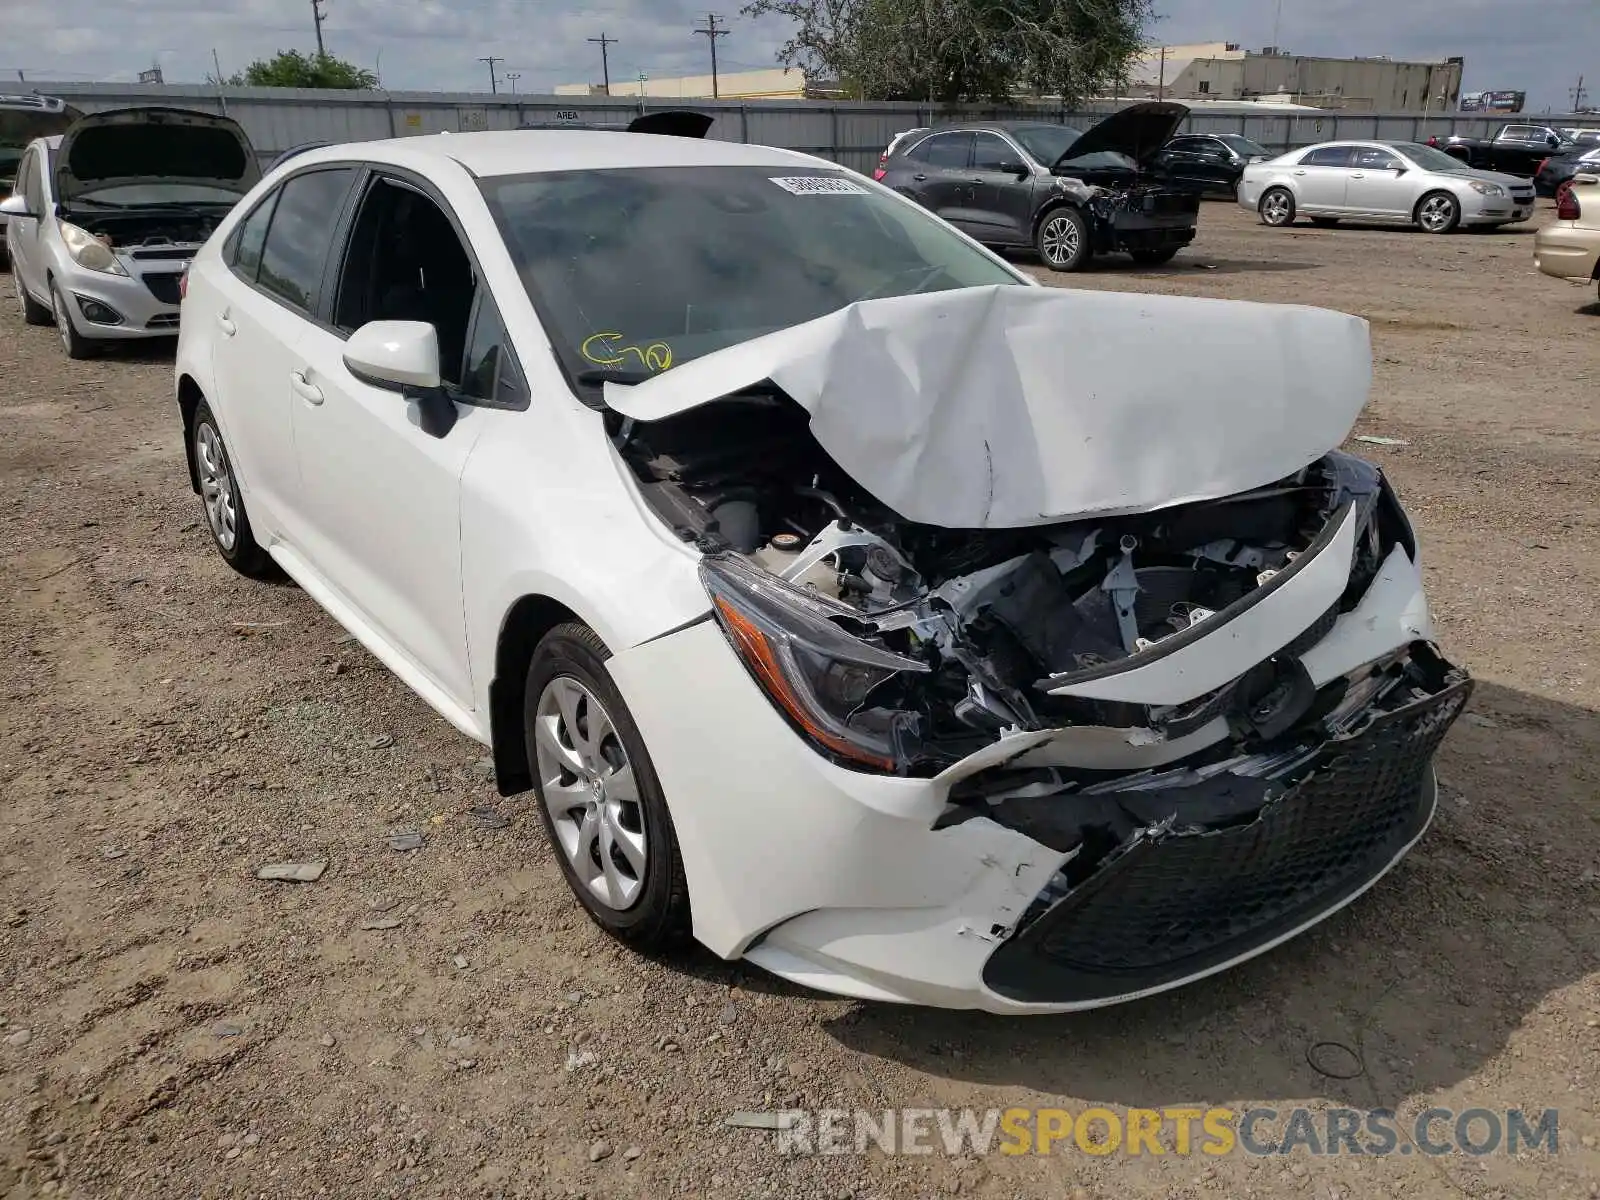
(1277, 207)
(33, 313)
(1063, 240)
(74, 343)
(1439, 213)
(602, 806)
(224, 504)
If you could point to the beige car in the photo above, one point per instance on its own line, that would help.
(1570, 248)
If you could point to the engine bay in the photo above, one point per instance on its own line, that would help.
(131, 232)
(990, 617)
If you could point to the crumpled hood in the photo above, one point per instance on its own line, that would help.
(1011, 406)
(1139, 131)
(154, 145)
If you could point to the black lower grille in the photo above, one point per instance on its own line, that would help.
(163, 287)
(1173, 904)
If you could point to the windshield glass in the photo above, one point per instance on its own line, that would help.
(1243, 146)
(635, 271)
(138, 195)
(1046, 143)
(1428, 158)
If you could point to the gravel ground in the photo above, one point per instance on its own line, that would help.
(443, 1021)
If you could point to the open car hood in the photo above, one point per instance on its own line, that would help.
(1010, 406)
(149, 145)
(1138, 131)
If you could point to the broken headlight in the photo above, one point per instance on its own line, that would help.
(816, 672)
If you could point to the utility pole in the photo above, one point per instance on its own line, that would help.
(1579, 95)
(513, 76)
(711, 33)
(1161, 80)
(494, 83)
(604, 43)
(318, 16)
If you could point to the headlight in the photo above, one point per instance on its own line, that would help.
(1488, 189)
(89, 251)
(817, 674)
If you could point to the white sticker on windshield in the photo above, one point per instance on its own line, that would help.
(819, 185)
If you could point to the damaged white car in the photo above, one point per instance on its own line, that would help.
(914, 632)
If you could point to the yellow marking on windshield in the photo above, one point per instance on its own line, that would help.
(609, 349)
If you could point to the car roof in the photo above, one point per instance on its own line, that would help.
(527, 151)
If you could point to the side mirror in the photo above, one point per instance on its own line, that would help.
(403, 356)
(15, 206)
(1552, 141)
(1012, 166)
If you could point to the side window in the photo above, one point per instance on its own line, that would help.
(405, 262)
(301, 235)
(1185, 145)
(1373, 159)
(32, 182)
(990, 152)
(1328, 156)
(948, 150)
(490, 372)
(243, 252)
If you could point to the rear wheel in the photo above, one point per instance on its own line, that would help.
(219, 490)
(73, 342)
(602, 807)
(1438, 212)
(1063, 239)
(1277, 207)
(33, 312)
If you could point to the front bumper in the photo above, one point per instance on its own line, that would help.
(862, 885)
(146, 302)
(1499, 210)
(1567, 251)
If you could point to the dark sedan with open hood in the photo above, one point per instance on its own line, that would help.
(1067, 193)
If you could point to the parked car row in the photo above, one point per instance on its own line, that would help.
(1569, 248)
(834, 608)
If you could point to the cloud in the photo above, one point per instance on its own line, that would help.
(435, 44)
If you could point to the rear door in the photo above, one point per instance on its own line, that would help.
(268, 294)
(1001, 203)
(1322, 178)
(940, 176)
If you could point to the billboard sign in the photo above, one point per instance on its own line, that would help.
(1493, 102)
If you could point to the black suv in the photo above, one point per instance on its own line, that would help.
(1069, 194)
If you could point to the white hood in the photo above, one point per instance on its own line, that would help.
(1005, 406)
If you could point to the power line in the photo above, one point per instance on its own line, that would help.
(318, 17)
(494, 84)
(604, 43)
(711, 33)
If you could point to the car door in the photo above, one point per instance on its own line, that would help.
(23, 232)
(940, 178)
(1322, 177)
(275, 262)
(1002, 192)
(386, 494)
(1380, 185)
(1179, 159)
(1212, 165)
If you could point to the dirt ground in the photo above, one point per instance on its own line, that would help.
(171, 1026)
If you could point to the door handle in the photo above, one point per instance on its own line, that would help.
(1357, 175)
(920, 178)
(304, 388)
(227, 326)
(1299, 172)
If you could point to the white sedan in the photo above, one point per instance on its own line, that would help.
(841, 597)
(1391, 182)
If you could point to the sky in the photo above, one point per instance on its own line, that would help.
(1537, 46)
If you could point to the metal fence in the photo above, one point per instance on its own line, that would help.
(848, 132)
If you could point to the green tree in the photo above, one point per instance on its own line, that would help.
(290, 68)
(948, 51)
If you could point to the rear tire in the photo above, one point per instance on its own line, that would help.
(1154, 258)
(33, 312)
(1062, 239)
(602, 807)
(1277, 207)
(224, 503)
(74, 343)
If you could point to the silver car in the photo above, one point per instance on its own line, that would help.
(105, 218)
(1402, 182)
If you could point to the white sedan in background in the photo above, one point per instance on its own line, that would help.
(1400, 182)
(818, 573)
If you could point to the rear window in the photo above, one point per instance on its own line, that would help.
(300, 237)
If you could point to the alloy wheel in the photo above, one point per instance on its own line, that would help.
(1060, 240)
(1275, 209)
(589, 789)
(1437, 214)
(63, 320)
(216, 486)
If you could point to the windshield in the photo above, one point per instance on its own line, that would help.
(635, 271)
(1046, 143)
(1428, 158)
(1243, 146)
